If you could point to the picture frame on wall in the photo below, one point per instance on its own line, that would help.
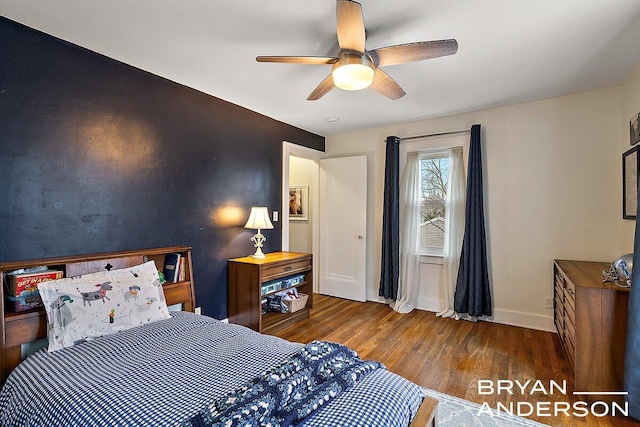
(630, 167)
(634, 129)
(299, 203)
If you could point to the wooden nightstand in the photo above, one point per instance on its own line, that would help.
(245, 279)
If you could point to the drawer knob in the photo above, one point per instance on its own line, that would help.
(287, 268)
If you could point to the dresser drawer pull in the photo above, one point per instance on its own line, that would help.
(287, 268)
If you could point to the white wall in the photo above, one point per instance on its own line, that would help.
(630, 106)
(302, 172)
(552, 190)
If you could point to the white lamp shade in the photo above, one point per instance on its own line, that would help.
(259, 219)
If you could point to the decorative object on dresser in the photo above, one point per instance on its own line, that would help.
(259, 220)
(591, 318)
(620, 272)
(251, 279)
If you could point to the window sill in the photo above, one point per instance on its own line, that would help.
(431, 259)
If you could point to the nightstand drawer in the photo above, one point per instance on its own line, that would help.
(280, 270)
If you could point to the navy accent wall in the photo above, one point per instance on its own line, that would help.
(96, 156)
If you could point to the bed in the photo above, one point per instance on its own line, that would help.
(184, 369)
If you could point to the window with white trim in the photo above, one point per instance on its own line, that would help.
(434, 181)
(435, 175)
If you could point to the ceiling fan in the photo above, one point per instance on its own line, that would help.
(356, 68)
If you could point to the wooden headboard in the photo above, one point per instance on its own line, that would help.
(28, 326)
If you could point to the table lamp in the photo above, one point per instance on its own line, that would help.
(258, 220)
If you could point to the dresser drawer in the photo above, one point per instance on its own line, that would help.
(570, 287)
(569, 313)
(569, 299)
(559, 300)
(280, 270)
(559, 318)
(570, 328)
(570, 350)
(559, 280)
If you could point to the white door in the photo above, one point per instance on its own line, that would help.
(343, 225)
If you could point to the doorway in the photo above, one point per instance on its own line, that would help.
(334, 233)
(300, 169)
(303, 184)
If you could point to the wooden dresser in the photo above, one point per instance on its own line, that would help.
(591, 319)
(245, 279)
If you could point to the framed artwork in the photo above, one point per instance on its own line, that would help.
(630, 163)
(634, 129)
(299, 203)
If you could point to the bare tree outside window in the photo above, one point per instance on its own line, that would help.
(434, 172)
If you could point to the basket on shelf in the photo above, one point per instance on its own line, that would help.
(298, 303)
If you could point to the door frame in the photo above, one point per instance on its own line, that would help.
(290, 149)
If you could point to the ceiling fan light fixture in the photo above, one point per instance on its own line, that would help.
(357, 68)
(353, 72)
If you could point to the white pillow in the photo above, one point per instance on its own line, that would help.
(85, 307)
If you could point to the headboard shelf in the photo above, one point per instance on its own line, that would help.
(17, 328)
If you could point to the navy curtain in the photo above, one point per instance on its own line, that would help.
(473, 295)
(390, 264)
(632, 347)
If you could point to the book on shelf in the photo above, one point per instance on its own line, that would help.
(171, 268)
(20, 282)
(182, 272)
(22, 287)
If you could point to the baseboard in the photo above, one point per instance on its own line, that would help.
(505, 317)
(524, 320)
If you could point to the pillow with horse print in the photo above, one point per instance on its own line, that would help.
(92, 305)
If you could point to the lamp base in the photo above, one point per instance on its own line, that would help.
(258, 254)
(258, 238)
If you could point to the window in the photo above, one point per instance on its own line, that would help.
(440, 182)
(434, 181)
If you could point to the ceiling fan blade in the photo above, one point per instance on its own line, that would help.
(323, 88)
(350, 25)
(412, 52)
(386, 85)
(312, 60)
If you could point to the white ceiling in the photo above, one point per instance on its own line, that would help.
(510, 51)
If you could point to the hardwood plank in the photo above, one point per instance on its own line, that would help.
(446, 355)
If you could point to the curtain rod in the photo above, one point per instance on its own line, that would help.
(453, 132)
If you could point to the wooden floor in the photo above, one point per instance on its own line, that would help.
(446, 355)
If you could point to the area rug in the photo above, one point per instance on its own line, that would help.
(456, 412)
